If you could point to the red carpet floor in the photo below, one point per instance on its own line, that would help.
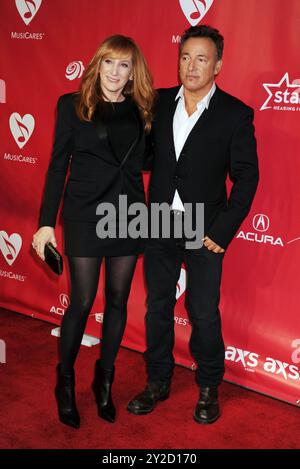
(28, 412)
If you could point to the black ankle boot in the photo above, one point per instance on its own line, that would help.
(65, 398)
(147, 400)
(101, 386)
(207, 409)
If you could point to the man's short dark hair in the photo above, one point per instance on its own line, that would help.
(205, 31)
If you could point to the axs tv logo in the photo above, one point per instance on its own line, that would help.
(251, 360)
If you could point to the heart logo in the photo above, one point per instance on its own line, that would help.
(181, 284)
(21, 128)
(10, 246)
(195, 10)
(28, 9)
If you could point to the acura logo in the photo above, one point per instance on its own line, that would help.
(64, 300)
(261, 222)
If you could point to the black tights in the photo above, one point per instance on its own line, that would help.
(84, 273)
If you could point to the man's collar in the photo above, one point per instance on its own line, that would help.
(205, 100)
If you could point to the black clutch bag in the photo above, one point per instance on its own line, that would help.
(53, 258)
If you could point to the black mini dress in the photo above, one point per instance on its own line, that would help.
(80, 237)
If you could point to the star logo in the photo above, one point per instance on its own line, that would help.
(290, 94)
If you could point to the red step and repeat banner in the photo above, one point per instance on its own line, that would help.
(45, 47)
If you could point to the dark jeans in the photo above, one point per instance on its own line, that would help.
(163, 259)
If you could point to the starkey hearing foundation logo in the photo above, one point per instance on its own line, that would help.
(282, 96)
(21, 128)
(74, 70)
(10, 246)
(28, 9)
(195, 10)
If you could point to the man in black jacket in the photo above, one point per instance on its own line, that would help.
(200, 136)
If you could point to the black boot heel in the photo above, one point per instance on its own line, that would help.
(101, 386)
(65, 398)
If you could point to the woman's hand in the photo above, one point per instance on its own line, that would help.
(44, 235)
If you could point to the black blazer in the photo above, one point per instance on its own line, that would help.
(222, 142)
(96, 175)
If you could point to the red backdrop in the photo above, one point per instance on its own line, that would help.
(45, 47)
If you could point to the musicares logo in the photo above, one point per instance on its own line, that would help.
(195, 10)
(28, 9)
(10, 246)
(21, 128)
(282, 96)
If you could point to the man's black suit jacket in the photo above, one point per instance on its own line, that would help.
(96, 174)
(221, 143)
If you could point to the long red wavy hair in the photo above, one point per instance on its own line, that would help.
(140, 89)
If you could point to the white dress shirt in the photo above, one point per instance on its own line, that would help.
(182, 126)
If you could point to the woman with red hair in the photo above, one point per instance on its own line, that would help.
(100, 134)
